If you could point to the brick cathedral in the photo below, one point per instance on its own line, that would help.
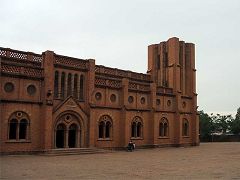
(50, 101)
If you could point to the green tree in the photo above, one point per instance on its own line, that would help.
(206, 124)
(222, 123)
(235, 125)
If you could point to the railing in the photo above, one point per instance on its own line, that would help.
(139, 87)
(71, 62)
(24, 71)
(107, 83)
(121, 73)
(20, 55)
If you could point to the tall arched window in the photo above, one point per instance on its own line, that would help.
(105, 127)
(56, 84)
(81, 93)
(101, 129)
(136, 128)
(18, 126)
(13, 125)
(69, 84)
(163, 127)
(23, 129)
(62, 84)
(133, 129)
(108, 126)
(75, 93)
(139, 126)
(185, 127)
(158, 61)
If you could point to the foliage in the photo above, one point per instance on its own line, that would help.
(206, 124)
(210, 124)
(222, 123)
(235, 126)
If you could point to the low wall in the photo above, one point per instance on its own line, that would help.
(221, 138)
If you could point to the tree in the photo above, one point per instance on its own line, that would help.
(222, 123)
(206, 125)
(235, 125)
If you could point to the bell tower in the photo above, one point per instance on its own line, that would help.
(171, 64)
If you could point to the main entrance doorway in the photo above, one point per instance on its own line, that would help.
(68, 133)
(60, 136)
(72, 132)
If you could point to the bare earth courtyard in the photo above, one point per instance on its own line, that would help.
(208, 161)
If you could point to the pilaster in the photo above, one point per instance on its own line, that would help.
(47, 95)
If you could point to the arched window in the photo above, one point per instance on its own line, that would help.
(139, 126)
(18, 126)
(108, 128)
(81, 93)
(56, 84)
(69, 84)
(185, 127)
(163, 127)
(105, 127)
(158, 61)
(62, 84)
(136, 127)
(101, 129)
(23, 129)
(75, 93)
(13, 125)
(133, 129)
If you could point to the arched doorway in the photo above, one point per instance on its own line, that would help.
(60, 135)
(68, 132)
(72, 136)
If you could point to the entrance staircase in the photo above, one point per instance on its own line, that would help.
(74, 151)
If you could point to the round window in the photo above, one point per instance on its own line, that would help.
(143, 100)
(31, 89)
(158, 102)
(130, 99)
(19, 114)
(98, 96)
(169, 102)
(68, 117)
(9, 87)
(113, 97)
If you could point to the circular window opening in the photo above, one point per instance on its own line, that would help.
(130, 99)
(113, 97)
(98, 96)
(158, 102)
(184, 104)
(19, 114)
(68, 117)
(9, 87)
(143, 100)
(31, 89)
(169, 103)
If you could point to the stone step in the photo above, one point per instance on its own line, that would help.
(74, 151)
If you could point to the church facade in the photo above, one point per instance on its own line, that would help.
(51, 101)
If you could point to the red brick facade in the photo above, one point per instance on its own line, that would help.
(51, 101)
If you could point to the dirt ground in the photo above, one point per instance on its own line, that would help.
(208, 161)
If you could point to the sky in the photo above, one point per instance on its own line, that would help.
(116, 33)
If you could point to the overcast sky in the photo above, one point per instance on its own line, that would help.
(117, 32)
